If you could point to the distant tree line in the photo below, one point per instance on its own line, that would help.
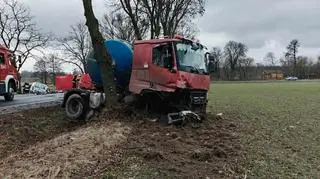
(45, 69)
(232, 63)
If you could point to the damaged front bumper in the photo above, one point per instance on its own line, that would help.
(183, 117)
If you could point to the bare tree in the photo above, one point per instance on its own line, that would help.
(100, 53)
(47, 66)
(318, 66)
(216, 54)
(166, 16)
(151, 10)
(244, 64)
(41, 68)
(215, 60)
(77, 46)
(188, 29)
(18, 30)
(118, 25)
(291, 54)
(54, 65)
(76, 71)
(174, 12)
(286, 64)
(270, 59)
(302, 66)
(234, 51)
(131, 8)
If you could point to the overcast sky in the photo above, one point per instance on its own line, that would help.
(264, 26)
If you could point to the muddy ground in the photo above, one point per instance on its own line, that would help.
(119, 143)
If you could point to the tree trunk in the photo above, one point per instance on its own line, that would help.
(100, 53)
(45, 77)
(85, 68)
(20, 85)
(294, 61)
(135, 28)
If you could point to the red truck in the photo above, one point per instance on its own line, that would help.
(8, 73)
(171, 71)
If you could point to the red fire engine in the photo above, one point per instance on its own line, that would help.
(8, 74)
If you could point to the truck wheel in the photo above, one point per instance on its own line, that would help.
(10, 95)
(75, 107)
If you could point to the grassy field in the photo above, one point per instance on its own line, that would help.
(279, 124)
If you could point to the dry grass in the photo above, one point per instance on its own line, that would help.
(65, 154)
(20, 130)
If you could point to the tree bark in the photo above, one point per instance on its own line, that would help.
(100, 53)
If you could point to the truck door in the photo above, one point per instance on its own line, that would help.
(162, 75)
(12, 66)
(3, 67)
(3, 73)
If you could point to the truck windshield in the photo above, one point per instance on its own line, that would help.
(190, 59)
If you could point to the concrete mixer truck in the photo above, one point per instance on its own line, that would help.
(172, 71)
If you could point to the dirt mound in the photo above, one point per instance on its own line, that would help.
(20, 130)
(157, 150)
(209, 151)
(119, 142)
(64, 155)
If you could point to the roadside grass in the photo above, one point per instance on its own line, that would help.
(20, 130)
(279, 124)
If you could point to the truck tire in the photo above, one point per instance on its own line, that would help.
(75, 109)
(10, 95)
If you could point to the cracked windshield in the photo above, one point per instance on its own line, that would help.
(190, 59)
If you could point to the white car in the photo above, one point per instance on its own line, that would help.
(291, 78)
(39, 88)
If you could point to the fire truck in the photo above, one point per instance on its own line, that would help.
(8, 73)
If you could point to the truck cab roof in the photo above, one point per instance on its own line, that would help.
(156, 41)
(167, 40)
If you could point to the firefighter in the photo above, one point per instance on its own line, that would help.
(75, 81)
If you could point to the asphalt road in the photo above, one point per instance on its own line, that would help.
(28, 101)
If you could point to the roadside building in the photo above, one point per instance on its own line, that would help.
(272, 75)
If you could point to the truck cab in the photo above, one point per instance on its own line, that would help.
(8, 74)
(174, 69)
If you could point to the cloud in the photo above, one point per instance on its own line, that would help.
(254, 21)
(58, 15)
(262, 25)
